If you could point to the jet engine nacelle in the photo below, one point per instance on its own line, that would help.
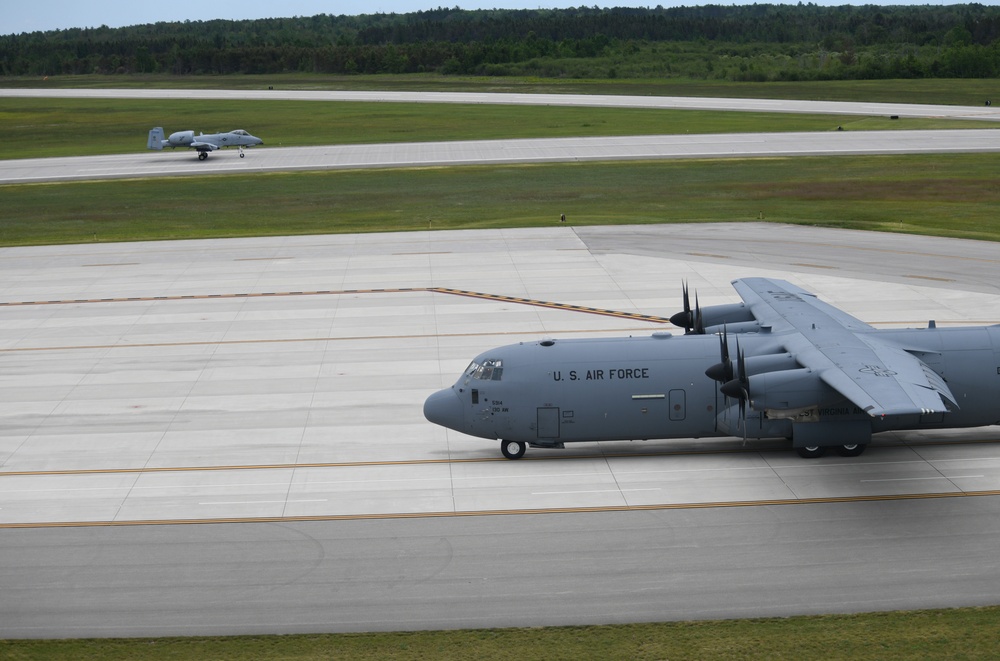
(181, 138)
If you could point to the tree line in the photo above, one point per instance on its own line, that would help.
(752, 42)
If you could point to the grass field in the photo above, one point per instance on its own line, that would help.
(954, 195)
(969, 633)
(81, 127)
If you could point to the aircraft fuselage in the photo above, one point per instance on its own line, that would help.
(553, 392)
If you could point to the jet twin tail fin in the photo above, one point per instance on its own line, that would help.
(155, 140)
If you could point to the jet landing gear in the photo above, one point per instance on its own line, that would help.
(242, 155)
(202, 155)
(512, 449)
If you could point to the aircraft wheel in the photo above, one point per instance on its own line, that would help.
(202, 155)
(811, 451)
(242, 155)
(512, 449)
(852, 450)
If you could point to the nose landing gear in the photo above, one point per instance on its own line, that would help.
(512, 449)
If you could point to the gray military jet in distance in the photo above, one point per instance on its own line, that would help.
(781, 364)
(202, 142)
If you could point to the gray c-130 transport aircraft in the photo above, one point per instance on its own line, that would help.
(781, 364)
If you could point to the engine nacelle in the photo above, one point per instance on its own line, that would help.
(787, 389)
(734, 328)
(181, 138)
(714, 315)
(771, 362)
(730, 313)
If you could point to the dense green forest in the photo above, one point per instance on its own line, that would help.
(742, 43)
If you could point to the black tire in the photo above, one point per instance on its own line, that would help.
(811, 452)
(852, 450)
(242, 155)
(202, 155)
(512, 449)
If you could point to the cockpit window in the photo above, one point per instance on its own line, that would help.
(489, 370)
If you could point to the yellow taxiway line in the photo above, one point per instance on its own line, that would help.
(510, 512)
(342, 292)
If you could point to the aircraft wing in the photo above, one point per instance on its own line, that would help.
(204, 146)
(780, 305)
(876, 376)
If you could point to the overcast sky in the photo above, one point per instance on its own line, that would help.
(31, 15)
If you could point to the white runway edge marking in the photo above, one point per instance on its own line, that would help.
(912, 479)
(262, 502)
(559, 493)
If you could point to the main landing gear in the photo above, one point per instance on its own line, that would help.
(202, 155)
(851, 450)
(512, 449)
(817, 451)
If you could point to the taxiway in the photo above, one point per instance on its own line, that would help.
(226, 437)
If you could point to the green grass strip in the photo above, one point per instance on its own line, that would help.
(969, 633)
(947, 195)
(48, 127)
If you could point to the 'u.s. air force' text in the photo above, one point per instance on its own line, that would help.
(613, 374)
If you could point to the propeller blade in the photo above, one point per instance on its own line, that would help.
(691, 320)
(744, 381)
(723, 370)
(727, 363)
(741, 363)
(684, 318)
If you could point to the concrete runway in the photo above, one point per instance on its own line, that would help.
(206, 437)
(498, 152)
(984, 112)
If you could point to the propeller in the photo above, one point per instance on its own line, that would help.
(744, 381)
(723, 370)
(691, 320)
(738, 387)
(699, 319)
(683, 318)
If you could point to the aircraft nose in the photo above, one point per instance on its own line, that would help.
(445, 408)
